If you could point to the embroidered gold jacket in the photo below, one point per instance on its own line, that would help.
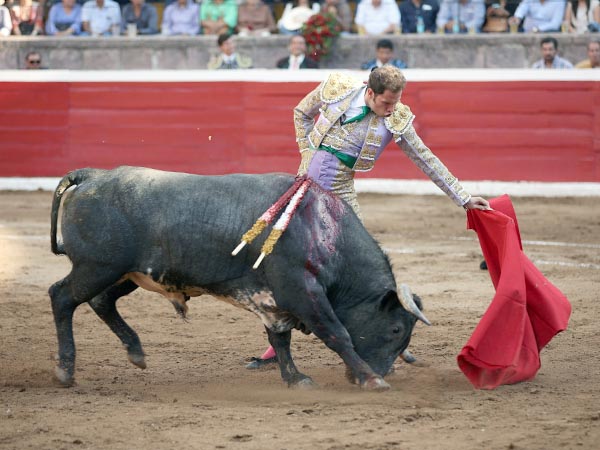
(332, 98)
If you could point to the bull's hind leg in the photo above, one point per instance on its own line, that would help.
(105, 306)
(289, 372)
(66, 295)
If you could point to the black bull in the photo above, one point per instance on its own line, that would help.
(173, 233)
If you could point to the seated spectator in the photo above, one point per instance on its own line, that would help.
(496, 17)
(143, 15)
(295, 14)
(228, 58)
(27, 18)
(550, 58)
(255, 19)
(297, 58)
(374, 17)
(384, 55)
(5, 20)
(100, 18)
(33, 61)
(218, 16)
(582, 16)
(539, 15)
(593, 61)
(64, 19)
(461, 16)
(181, 17)
(341, 10)
(411, 10)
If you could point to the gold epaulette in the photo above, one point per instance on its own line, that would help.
(400, 119)
(244, 62)
(339, 86)
(214, 62)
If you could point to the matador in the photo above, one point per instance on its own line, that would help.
(343, 126)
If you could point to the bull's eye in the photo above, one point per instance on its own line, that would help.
(396, 330)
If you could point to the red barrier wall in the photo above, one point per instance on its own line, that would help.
(517, 130)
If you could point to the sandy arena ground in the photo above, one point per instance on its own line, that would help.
(196, 393)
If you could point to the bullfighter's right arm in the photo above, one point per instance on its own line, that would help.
(304, 121)
(400, 124)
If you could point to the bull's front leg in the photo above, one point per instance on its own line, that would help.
(322, 321)
(289, 372)
(316, 313)
(336, 337)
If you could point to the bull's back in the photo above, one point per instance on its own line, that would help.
(138, 216)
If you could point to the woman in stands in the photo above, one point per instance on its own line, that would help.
(27, 18)
(218, 16)
(582, 16)
(295, 14)
(64, 19)
(255, 19)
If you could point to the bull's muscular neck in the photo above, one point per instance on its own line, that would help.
(358, 271)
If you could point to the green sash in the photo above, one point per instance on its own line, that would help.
(346, 160)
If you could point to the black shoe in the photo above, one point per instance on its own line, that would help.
(483, 265)
(258, 363)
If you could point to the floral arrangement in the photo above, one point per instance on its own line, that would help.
(320, 30)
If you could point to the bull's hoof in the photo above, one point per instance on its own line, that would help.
(63, 377)
(304, 383)
(408, 357)
(375, 384)
(258, 363)
(137, 360)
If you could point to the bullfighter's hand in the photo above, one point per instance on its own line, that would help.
(478, 203)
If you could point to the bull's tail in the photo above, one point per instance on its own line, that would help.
(73, 178)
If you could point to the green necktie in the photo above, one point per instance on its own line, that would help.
(365, 110)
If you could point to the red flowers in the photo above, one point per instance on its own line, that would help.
(319, 32)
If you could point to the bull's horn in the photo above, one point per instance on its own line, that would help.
(407, 301)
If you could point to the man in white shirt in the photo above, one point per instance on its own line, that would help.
(550, 58)
(540, 16)
(297, 59)
(374, 17)
(101, 18)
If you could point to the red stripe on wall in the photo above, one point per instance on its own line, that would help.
(518, 130)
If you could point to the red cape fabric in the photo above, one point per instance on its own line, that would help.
(526, 312)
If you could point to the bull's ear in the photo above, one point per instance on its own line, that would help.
(389, 302)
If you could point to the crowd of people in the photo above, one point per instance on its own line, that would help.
(228, 58)
(264, 17)
(226, 18)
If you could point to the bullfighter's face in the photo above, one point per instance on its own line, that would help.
(382, 104)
